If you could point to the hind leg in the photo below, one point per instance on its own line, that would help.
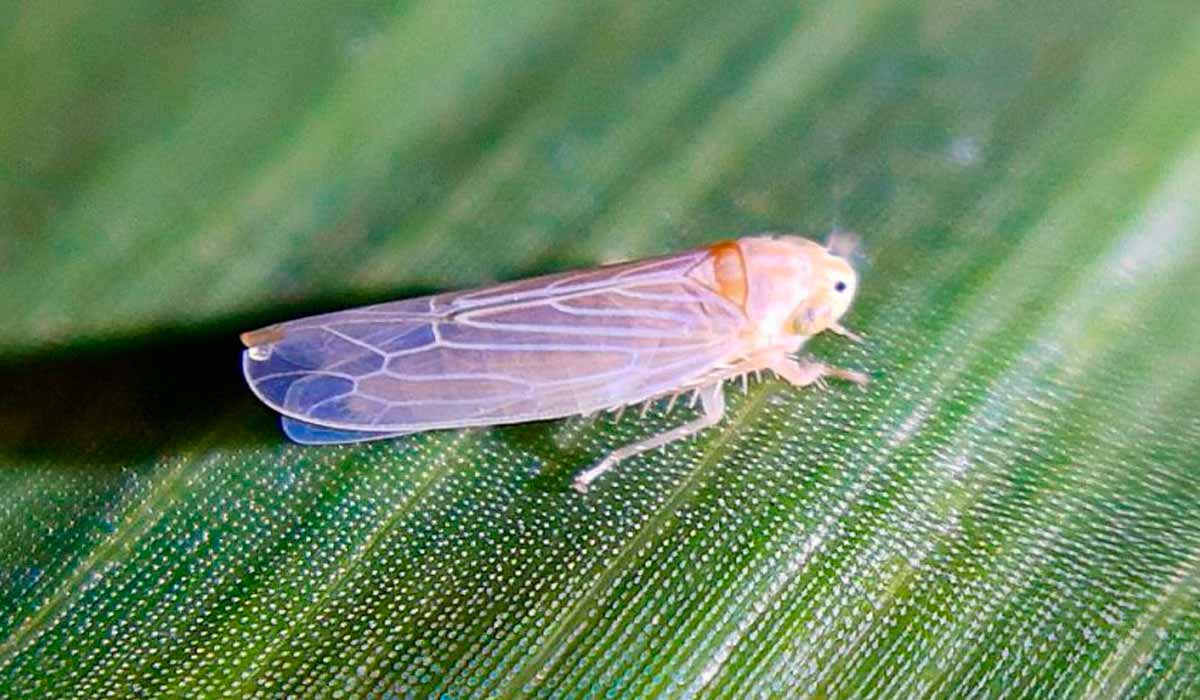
(713, 402)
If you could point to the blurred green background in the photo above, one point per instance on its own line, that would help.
(1012, 507)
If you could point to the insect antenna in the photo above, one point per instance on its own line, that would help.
(844, 244)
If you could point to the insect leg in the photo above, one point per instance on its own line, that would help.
(846, 332)
(800, 373)
(713, 402)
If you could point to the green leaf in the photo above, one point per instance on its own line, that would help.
(1010, 508)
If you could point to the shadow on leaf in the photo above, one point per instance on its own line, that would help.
(103, 403)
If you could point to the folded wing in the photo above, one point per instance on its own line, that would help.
(530, 350)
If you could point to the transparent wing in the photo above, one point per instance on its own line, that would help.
(313, 434)
(530, 350)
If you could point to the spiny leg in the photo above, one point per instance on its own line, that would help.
(713, 402)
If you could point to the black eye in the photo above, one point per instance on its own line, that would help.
(840, 286)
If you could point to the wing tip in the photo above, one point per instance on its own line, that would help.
(262, 336)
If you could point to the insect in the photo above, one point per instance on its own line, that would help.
(559, 345)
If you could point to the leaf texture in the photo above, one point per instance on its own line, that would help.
(1011, 508)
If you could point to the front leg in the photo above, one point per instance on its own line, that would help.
(804, 373)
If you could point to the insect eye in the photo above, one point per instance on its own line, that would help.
(839, 286)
